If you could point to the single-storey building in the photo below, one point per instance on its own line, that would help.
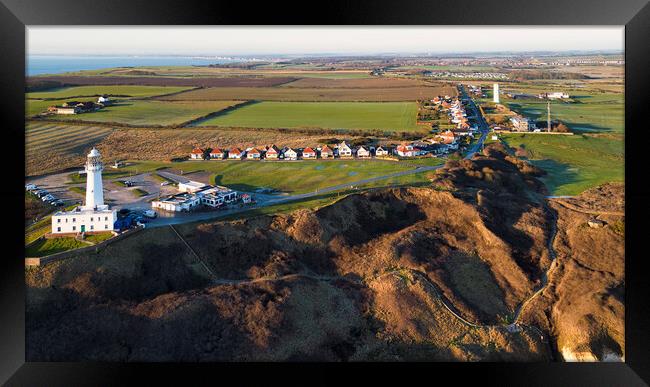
(289, 154)
(272, 152)
(196, 154)
(217, 153)
(253, 154)
(380, 151)
(326, 152)
(344, 150)
(235, 153)
(308, 153)
(178, 202)
(363, 152)
(191, 186)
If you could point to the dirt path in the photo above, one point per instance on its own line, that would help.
(586, 211)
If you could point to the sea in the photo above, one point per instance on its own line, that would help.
(49, 64)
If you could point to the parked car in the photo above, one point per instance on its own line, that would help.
(57, 203)
(42, 193)
(150, 214)
(164, 183)
(48, 198)
(30, 187)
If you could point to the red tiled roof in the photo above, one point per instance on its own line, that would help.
(235, 151)
(308, 150)
(197, 151)
(253, 151)
(271, 149)
(216, 151)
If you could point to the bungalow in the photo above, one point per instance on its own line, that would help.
(326, 152)
(379, 152)
(67, 109)
(253, 154)
(272, 152)
(216, 153)
(235, 153)
(344, 150)
(405, 151)
(289, 154)
(308, 153)
(363, 152)
(196, 154)
(447, 137)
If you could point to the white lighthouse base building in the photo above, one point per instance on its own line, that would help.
(82, 220)
(94, 216)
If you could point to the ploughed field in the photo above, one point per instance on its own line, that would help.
(399, 116)
(50, 146)
(325, 94)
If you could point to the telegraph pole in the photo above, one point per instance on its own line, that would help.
(548, 116)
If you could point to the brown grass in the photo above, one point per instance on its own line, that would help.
(310, 94)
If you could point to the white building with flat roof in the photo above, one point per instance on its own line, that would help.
(94, 216)
(496, 93)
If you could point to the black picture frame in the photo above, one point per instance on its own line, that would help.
(16, 14)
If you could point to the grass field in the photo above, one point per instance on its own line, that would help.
(147, 113)
(292, 177)
(51, 146)
(574, 163)
(399, 116)
(321, 94)
(51, 246)
(591, 113)
(116, 90)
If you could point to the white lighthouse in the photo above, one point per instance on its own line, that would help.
(94, 216)
(495, 99)
(94, 188)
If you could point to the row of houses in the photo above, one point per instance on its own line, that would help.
(192, 195)
(342, 150)
(77, 107)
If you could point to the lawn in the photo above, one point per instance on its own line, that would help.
(398, 116)
(45, 247)
(149, 113)
(574, 163)
(293, 177)
(115, 90)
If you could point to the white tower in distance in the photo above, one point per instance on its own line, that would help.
(94, 188)
(496, 93)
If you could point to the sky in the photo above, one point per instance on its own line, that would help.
(240, 40)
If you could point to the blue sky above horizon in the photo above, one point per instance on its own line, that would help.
(246, 41)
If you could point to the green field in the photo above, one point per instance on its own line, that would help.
(148, 113)
(574, 163)
(116, 90)
(591, 112)
(293, 177)
(45, 247)
(398, 116)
